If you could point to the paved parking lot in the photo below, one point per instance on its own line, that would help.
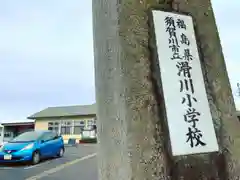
(77, 163)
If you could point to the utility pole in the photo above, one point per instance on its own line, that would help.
(238, 89)
(133, 135)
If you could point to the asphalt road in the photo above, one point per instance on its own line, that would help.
(77, 163)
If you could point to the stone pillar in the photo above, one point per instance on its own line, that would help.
(132, 130)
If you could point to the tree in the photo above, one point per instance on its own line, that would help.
(132, 131)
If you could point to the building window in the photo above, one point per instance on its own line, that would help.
(91, 124)
(66, 127)
(53, 126)
(78, 127)
(7, 134)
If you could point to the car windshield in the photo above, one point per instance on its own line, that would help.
(27, 136)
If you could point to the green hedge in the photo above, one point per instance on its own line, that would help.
(88, 140)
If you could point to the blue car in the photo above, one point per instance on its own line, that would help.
(32, 146)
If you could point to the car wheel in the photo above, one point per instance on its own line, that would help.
(61, 152)
(35, 158)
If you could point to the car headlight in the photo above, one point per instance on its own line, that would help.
(30, 146)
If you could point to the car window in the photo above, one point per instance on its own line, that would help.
(48, 136)
(52, 135)
(27, 136)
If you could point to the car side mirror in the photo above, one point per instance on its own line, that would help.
(56, 137)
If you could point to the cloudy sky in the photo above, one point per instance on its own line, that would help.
(227, 16)
(46, 53)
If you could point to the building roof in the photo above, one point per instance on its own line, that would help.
(65, 111)
(17, 123)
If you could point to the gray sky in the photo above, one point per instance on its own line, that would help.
(227, 21)
(46, 53)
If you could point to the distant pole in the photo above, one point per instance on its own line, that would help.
(238, 89)
(132, 133)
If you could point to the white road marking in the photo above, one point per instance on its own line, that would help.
(74, 154)
(40, 164)
(22, 167)
(60, 167)
(26, 167)
(33, 166)
(6, 168)
(89, 145)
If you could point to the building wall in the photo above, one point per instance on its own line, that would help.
(43, 124)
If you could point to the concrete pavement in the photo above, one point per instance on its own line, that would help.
(77, 163)
(83, 170)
